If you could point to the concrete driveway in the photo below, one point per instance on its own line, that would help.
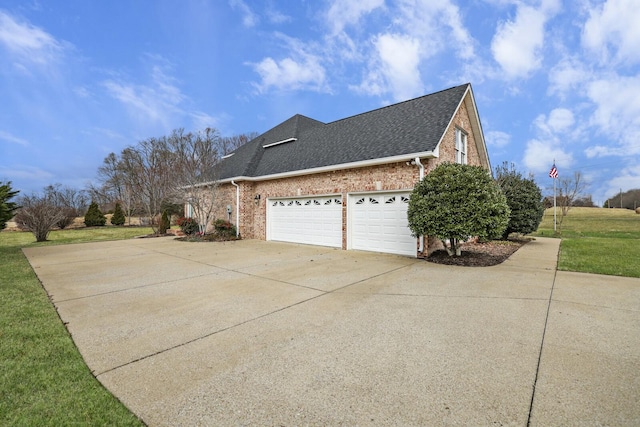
(264, 333)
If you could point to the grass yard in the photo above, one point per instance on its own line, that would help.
(602, 241)
(43, 378)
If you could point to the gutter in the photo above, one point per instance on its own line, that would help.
(331, 168)
(237, 207)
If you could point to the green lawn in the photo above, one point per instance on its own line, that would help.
(602, 241)
(43, 379)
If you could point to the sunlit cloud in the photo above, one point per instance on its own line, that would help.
(28, 43)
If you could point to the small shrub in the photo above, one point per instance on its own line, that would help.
(118, 217)
(94, 217)
(225, 228)
(188, 226)
(69, 215)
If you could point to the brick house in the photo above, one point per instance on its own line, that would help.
(346, 184)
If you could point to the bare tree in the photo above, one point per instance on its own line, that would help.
(174, 169)
(71, 201)
(39, 215)
(149, 173)
(196, 156)
(229, 144)
(569, 190)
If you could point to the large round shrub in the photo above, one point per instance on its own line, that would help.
(455, 202)
(524, 198)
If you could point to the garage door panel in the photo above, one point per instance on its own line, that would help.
(379, 223)
(315, 220)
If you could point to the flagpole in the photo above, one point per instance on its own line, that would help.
(553, 173)
(554, 203)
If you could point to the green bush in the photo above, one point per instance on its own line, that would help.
(118, 217)
(524, 198)
(224, 228)
(188, 226)
(455, 202)
(94, 217)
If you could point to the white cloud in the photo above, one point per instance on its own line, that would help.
(557, 127)
(567, 75)
(627, 179)
(290, 74)
(560, 120)
(342, 13)
(27, 42)
(617, 113)
(157, 101)
(612, 31)
(603, 151)
(249, 19)
(300, 70)
(399, 57)
(437, 24)
(394, 68)
(13, 139)
(26, 172)
(275, 16)
(497, 138)
(517, 44)
(203, 120)
(539, 156)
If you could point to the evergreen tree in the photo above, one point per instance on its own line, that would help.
(94, 217)
(118, 215)
(165, 224)
(7, 208)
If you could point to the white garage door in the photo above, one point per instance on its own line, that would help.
(311, 220)
(378, 222)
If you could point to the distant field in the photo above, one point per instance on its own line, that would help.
(602, 241)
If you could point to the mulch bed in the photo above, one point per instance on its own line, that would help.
(479, 254)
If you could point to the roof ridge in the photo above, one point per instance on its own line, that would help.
(398, 103)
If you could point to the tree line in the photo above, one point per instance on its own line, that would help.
(155, 176)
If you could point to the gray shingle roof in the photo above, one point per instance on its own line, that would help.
(409, 127)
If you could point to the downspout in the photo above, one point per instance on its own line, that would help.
(421, 166)
(237, 207)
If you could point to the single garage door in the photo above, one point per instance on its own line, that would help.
(310, 220)
(378, 222)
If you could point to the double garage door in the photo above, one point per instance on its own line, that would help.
(375, 222)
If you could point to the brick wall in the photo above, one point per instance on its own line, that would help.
(395, 176)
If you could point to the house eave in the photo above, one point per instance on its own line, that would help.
(332, 168)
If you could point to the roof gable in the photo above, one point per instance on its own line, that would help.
(410, 127)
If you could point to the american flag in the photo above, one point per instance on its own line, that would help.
(553, 173)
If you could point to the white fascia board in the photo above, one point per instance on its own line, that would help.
(476, 127)
(227, 156)
(452, 117)
(476, 124)
(284, 141)
(331, 168)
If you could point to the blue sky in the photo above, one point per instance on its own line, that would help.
(553, 80)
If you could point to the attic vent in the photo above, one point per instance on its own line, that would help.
(227, 156)
(284, 141)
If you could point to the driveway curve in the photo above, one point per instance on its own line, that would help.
(264, 333)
